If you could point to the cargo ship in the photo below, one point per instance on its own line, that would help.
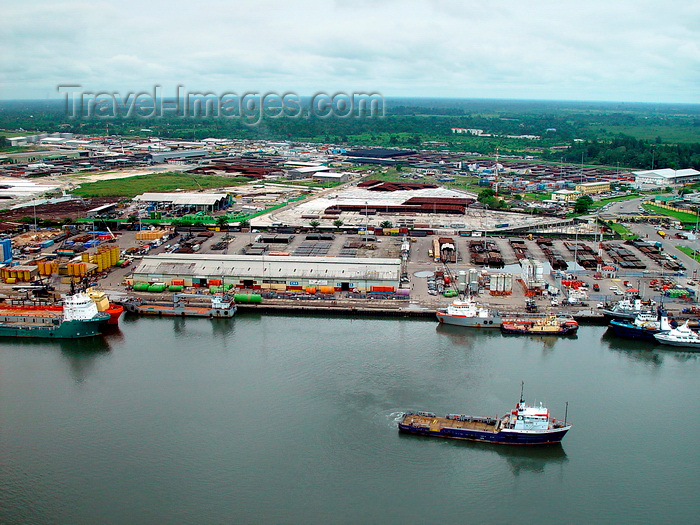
(550, 324)
(77, 317)
(104, 305)
(220, 305)
(524, 425)
(469, 313)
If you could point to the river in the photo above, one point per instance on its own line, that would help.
(290, 419)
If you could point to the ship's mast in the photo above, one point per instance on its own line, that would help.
(522, 389)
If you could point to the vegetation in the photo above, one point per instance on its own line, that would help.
(687, 218)
(631, 136)
(156, 182)
(583, 204)
(622, 230)
(689, 252)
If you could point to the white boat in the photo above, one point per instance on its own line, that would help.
(466, 312)
(626, 309)
(681, 336)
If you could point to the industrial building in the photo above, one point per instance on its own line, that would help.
(664, 177)
(565, 195)
(190, 201)
(271, 272)
(588, 188)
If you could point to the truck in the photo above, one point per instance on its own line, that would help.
(661, 233)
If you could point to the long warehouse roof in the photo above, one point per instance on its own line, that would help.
(208, 199)
(281, 267)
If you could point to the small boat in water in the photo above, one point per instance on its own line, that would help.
(550, 324)
(682, 336)
(524, 425)
(469, 313)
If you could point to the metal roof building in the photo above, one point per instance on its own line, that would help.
(264, 272)
(202, 201)
(664, 177)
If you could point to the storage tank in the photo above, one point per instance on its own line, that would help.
(326, 289)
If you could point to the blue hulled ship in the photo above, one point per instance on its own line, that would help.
(524, 425)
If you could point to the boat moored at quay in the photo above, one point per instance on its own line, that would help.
(628, 309)
(550, 324)
(469, 313)
(183, 305)
(681, 336)
(524, 425)
(644, 326)
(77, 317)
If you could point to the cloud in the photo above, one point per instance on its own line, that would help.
(628, 50)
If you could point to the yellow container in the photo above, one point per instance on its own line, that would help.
(10, 280)
(85, 257)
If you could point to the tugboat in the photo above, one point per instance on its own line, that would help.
(469, 313)
(524, 425)
(550, 324)
(644, 326)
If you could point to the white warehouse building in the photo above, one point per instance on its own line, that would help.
(664, 177)
(270, 272)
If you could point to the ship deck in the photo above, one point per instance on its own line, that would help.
(18, 311)
(187, 311)
(436, 423)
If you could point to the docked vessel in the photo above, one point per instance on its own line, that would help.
(220, 305)
(682, 336)
(628, 309)
(104, 305)
(644, 326)
(469, 313)
(77, 317)
(550, 324)
(525, 425)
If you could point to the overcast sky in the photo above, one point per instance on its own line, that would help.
(616, 50)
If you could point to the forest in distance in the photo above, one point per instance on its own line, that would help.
(626, 135)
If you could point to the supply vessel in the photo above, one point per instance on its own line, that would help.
(78, 316)
(524, 425)
(469, 313)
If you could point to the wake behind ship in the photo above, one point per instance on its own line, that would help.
(78, 317)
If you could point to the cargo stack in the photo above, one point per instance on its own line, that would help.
(501, 284)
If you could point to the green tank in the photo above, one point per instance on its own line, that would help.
(252, 298)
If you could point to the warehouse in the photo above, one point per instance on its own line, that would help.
(664, 177)
(270, 272)
(190, 201)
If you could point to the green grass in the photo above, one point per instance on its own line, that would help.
(156, 182)
(688, 218)
(689, 252)
(624, 232)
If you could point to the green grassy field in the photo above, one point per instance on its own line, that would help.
(687, 218)
(157, 182)
(689, 252)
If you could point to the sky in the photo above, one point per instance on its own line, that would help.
(593, 50)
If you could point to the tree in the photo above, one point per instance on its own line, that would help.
(486, 194)
(517, 197)
(222, 222)
(132, 219)
(386, 224)
(245, 223)
(583, 204)
(314, 224)
(337, 223)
